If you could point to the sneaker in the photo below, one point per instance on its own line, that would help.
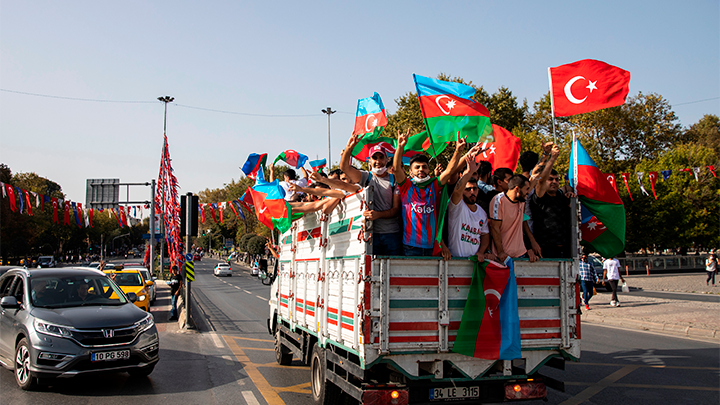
(617, 304)
(587, 307)
(613, 303)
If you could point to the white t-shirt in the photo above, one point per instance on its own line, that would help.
(465, 228)
(286, 186)
(613, 269)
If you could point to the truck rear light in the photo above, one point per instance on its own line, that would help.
(382, 397)
(525, 390)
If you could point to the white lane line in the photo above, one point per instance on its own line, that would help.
(262, 298)
(250, 398)
(216, 340)
(228, 358)
(237, 288)
(248, 292)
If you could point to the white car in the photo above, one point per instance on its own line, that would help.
(146, 275)
(222, 269)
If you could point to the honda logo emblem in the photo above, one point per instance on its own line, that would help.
(108, 333)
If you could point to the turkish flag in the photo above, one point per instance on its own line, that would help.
(587, 85)
(504, 152)
(611, 179)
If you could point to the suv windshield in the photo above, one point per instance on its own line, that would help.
(128, 279)
(45, 259)
(74, 291)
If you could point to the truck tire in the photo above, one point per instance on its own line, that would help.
(323, 391)
(23, 378)
(283, 355)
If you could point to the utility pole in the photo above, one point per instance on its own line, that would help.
(152, 230)
(329, 111)
(166, 100)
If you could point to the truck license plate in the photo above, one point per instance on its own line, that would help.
(110, 356)
(437, 394)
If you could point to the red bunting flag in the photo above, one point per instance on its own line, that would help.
(27, 199)
(11, 196)
(202, 212)
(220, 208)
(90, 216)
(653, 179)
(55, 210)
(66, 205)
(212, 212)
(233, 208)
(625, 177)
(611, 179)
(587, 85)
(712, 170)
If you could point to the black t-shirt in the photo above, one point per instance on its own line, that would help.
(551, 219)
(175, 283)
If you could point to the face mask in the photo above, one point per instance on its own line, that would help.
(417, 180)
(379, 171)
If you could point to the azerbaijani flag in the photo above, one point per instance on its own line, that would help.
(447, 108)
(361, 151)
(490, 325)
(602, 221)
(370, 116)
(293, 158)
(318, 165)
(270, 205)
(253, 163)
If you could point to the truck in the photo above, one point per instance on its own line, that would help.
(380, 330)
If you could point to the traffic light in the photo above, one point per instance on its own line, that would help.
(194, 202)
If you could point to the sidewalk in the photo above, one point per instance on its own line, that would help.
(668, 316)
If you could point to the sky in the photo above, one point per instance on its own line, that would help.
(273, 66)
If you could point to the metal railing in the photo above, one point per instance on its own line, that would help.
(650, 263)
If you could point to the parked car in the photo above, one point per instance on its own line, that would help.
(46, 262)
(69, 321)
(197, 257)
(147, 276)
(259, 266)
(131, 281)
(222, 269)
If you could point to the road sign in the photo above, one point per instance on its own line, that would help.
(189, 270)
(158, 236)
(189, 257)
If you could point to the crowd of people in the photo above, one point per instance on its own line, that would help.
(492, 213)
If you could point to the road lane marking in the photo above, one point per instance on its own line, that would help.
(228, 359)
(643, 366)
(253, 339)
(651, 386)
(594, 389)
(247, 291)
(262, 298)
(238, 288)
(275, 365)
(303, 388)
(250, 398)
(267, 391)
(257, 348)
(216, 340)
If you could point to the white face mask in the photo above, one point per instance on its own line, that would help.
(379, 171)
(417, 180)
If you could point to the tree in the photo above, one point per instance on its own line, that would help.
(243, 245)
(706, 133)
(256, 245)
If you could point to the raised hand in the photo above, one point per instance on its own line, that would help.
(403, 138)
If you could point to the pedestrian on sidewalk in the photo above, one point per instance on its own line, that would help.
(711, 268)
(587, 279)
(611, 270)
(175, 282)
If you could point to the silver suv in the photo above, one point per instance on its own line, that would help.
(69, 321)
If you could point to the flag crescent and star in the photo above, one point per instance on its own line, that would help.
(568, 89)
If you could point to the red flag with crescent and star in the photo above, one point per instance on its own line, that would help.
(503, 152)
(625, 177)
(587, 85)
(653, 180)
(611, 179)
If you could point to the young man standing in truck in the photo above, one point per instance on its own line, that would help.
(420, 197)
(386, 197)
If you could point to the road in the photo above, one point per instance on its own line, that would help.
(232, 361)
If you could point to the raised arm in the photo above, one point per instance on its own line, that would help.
(320, 192)
(304, 172)
(543, 184)
(336, 184)
(353, 174)
(272, 173)
(397, 160)
(460, 186)
(454, 164)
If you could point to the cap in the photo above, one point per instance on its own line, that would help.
(377, 148)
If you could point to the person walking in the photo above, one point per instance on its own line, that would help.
(587, 279)
(711, 268)
(175, 282)
(611, 270)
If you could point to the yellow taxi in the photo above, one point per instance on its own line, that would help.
(132, 281)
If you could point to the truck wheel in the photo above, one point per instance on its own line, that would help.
(283, 355)
(24, 379)
(323, 391)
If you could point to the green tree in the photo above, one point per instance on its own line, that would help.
(256, 245)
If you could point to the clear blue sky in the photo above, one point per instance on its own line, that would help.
(287, 58)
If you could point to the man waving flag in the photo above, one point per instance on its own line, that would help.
(587, 85)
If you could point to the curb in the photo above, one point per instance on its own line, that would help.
(664, 328)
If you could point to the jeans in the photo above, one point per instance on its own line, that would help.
(711, 275)
(416, 251)
(173, 307)
(613, 287)
(387, 244)
(587, 289)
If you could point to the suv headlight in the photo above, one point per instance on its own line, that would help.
(52, 329)
(145, 324)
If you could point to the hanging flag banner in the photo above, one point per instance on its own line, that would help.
(696, 172)
(653, 179)
(639, 179)
(625, 177)
(666, 174)
(611, 179)
(712, 170)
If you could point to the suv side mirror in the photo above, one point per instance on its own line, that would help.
(149, 283)
(132, 296)
(9, 302)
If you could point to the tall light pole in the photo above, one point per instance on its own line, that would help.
(329, 112)
(166, 100)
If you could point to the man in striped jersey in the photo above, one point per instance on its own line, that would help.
(420, 197)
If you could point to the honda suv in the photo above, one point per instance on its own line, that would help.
(69, 321)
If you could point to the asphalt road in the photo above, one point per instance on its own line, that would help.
(232, 362)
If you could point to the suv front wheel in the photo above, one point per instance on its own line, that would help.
(22, 366)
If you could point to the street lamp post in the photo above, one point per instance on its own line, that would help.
(329, 111)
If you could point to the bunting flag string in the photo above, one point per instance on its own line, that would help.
(639, 178)
(653, 179)
(627, 186)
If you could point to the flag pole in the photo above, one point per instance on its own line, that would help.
(552, 108)
(422, 110)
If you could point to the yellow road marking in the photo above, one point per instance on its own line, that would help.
(299, 388)
(267, 391)
(592, 390)
(253, 339)
(642, 366)
(275, 365)
(257, 348)
(650, 386)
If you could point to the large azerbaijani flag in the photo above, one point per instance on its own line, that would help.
(490, 325)
(448, 108)
(602, 221)
(269, 201)
(293, 158)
